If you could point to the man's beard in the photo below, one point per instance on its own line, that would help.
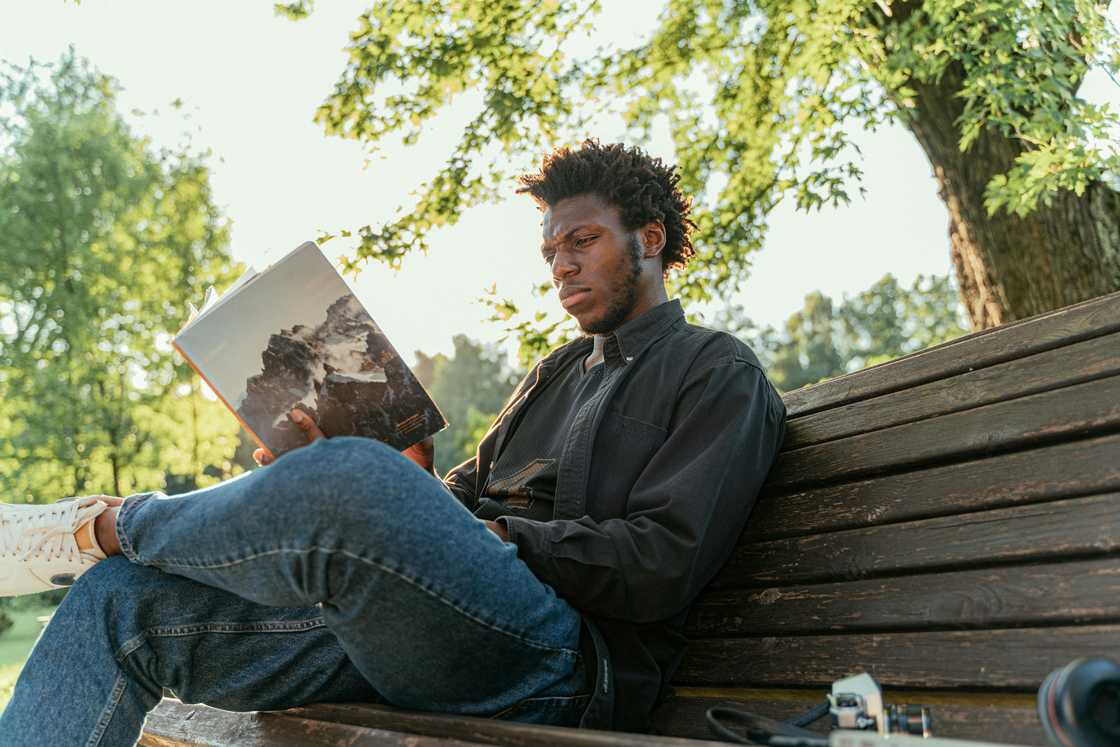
(623, 293)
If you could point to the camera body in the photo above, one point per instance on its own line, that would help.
(856, 703)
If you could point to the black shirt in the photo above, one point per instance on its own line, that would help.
(523, 480)
(657, 475)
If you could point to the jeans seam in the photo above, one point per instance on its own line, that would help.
(126, 506)
(176, 631)
(108, 711)
(568, 700)
(386, 569)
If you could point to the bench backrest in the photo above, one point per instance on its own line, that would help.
(948, 522)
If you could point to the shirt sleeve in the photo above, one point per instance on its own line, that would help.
(684, 513)
(461, 480)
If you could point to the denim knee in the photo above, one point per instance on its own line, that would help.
(348, 482)
(111, 604)
(114, 587)
(108, 581)
(336, 466)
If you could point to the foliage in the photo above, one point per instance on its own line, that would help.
(293, 11)
(825, 339)
(8, 676)
(470, 388)
(103, 239)
(1023, 63)
(759, 96)
(536, 334)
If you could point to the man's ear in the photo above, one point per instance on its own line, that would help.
(653, 239)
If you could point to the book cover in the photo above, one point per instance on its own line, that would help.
(295, 335)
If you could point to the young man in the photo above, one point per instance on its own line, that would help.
(554, 590)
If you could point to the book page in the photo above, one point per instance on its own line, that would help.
(213, 299)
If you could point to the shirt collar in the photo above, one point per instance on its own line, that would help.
(631, 338)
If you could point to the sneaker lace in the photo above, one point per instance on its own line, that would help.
(44, 533)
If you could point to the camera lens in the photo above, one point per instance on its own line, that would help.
(1104, 709)
(909, 719)
(1079, 705)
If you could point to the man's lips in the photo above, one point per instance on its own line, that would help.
(569, 297)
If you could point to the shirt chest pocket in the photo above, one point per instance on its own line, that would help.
(623, 447)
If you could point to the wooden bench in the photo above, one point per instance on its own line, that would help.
(948, 522)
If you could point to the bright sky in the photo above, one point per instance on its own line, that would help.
(251, 82)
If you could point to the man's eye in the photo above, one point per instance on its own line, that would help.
(585, 240)
(548, 258)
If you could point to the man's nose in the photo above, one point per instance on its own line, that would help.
(563, 267)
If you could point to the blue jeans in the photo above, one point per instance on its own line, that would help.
(342, 572)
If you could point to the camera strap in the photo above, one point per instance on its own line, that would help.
(761, 730)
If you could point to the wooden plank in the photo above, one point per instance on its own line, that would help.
(1068, 469)
(1018, 658)
(1032, 595)
(485, 731)
(1098, 316)
(1053, 369)
(1072, 412)
(175, 724)
(1074, 527)
(993, 717)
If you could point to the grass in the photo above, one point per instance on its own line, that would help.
(8, 676)
(15, 645)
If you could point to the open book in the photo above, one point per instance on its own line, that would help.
(295, 335)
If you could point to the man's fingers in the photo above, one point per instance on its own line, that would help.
(423, 453)
(306, 424)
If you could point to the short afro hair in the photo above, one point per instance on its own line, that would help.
(643, 189)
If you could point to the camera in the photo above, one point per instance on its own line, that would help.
(1078, 705)
(857, 703)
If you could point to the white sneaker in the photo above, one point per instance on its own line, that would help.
(38, 551)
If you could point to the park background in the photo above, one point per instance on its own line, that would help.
(208, 112)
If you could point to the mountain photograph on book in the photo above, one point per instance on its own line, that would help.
(295, 336)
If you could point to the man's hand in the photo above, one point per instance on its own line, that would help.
(498, 529)
(304, 422)
(424, 454)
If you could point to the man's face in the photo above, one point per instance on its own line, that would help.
(596, 264)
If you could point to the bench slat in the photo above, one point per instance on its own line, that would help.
(1098, 316)
(1071, 412)
(1065, 593)
(1053, 369)
(1017, 658)
(1036, 532)
(955, 715)
(488, 731)
(174, 724)
(1068, 469)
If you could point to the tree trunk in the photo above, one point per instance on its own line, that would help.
(1009, 267)
(115, 462)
